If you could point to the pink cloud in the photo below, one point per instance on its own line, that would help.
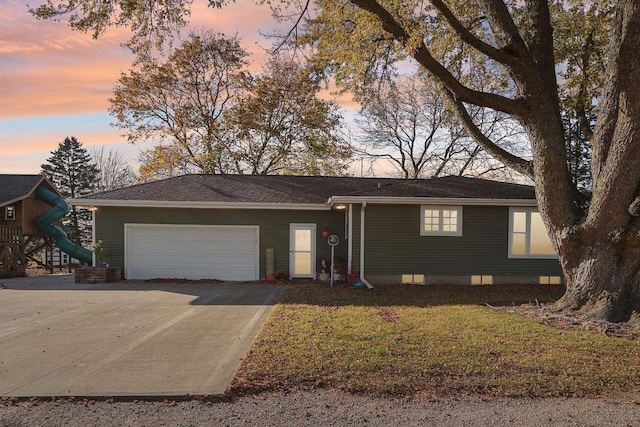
(38, 140)
(46, 69)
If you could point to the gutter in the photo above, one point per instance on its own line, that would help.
(431, 201)
(362, 278)
(198, 205)
(350, 237)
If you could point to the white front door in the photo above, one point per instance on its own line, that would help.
(302, 250)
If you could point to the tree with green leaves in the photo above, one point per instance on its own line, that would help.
(596, 233)
(73, 173)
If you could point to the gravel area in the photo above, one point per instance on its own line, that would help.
(322, 408)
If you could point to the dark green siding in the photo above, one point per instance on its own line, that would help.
(393, 245)
(274, 228)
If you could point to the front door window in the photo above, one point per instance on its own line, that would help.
(302, 250)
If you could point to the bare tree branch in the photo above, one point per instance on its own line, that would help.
(505, 30)
(294, 27)
(467, 36)
(521, 165)
(516, 107)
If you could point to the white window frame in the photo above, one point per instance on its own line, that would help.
(12, 216)
(440, 232)
(527, 254)
(312, 227)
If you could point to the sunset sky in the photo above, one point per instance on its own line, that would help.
(55, 82)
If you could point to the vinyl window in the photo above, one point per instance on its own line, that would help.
(528, 236)
(441, 220)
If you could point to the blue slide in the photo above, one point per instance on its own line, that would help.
(59, 210)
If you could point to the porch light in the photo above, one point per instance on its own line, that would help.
(339, 207)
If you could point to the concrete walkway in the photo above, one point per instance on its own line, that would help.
(58, 338)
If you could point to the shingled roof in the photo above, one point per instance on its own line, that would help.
(282, 189)
(17, 187)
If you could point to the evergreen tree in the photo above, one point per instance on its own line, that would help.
(71, 170)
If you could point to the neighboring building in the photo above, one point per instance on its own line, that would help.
(61, 259)
(443, 230)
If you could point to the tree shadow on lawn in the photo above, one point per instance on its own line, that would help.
(423, 296)
(215, 292)
(529, 301)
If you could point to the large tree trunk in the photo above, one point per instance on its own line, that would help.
(597, 237)
(599, 247)
(603, 278)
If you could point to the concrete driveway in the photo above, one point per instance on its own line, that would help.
(58, 338)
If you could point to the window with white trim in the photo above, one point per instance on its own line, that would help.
(528, 236)
(10, 213)
(441, 220)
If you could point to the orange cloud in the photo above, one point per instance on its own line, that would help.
(38, 140)
(48, 69)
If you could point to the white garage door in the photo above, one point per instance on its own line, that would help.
(191, 251)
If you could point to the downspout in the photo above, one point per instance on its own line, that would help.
(93, 237)
(362, 278)
(350, 238)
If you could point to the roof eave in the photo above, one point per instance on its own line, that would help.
(12, 201)
(468, 201)
(305, 206)
(197, 205)
(46, 180)
(30, 192)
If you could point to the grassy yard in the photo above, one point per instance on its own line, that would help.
(431, 341)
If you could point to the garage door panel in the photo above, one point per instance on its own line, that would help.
(192, 252)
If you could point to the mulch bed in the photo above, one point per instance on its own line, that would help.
(35, 272)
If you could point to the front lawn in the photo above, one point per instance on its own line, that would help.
(431, 341)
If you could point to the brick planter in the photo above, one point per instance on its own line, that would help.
(98, 274)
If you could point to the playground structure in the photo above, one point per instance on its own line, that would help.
(29, 205)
